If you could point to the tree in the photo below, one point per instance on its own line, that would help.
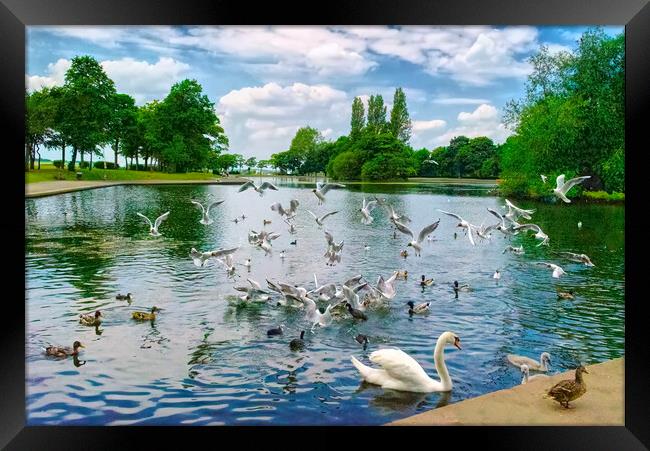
(376, 114)
(358, 120)
(88, 99)
(39, 120)
(251, 162)
(400, 122)
(123, 116)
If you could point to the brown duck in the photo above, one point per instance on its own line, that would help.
(569, 390)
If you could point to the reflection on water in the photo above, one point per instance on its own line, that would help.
(206, 359)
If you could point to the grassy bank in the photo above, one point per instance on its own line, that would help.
(49, 173)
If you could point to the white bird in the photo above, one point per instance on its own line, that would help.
(539, 234)
(199, 258)
(365, 210)
(557, 271)
(247, 264)
(292, 226)
(562, 188)
(542, 365)
(322, 189)
(282, 255)
(320, 220)
(463, 223)
(153, 228)
(387, 287)
(415, 243)
(527, 377)
(578, 258)
(254, 291)
(497, 275)
(260, 189)
(579, 224)
(399, 371)
(325, 292)
(315, 316)
(504, 228)
(206, 211)
(392, 215)
(288, 213)
(431, 161)
(543, 178)
(229, 264)
(515, 212)
(352, 297)
(515, 250)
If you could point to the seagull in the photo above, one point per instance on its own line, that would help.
(423, 233)
(260, 189)
(322, 189)
(579, 224)
(325, 292)
(206, 211)
(538, 232)
(254, 290)
(563, 188)
(282, 255)
(199, 258)
(514, 212)
(463, 224)
(557, 271)
(387, 287)
(352, 297)
(153, 228)
(365, 210)
(579, 258)
(503, 228)
(543, 178)
(515, 250)
(247, 264)
(393, 216)
(315, 316)
(292, 226)
(290, 212)
(229, 264)
(320, 220)
(431, 161)
(497, 275)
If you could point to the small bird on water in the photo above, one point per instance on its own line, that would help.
(298, 343)
(123, 297)
(362, 339)
(90, 319)
(57, 351)
(569, 390)
(275, 331)
(356, 314)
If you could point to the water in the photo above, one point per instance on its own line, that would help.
(207, 361)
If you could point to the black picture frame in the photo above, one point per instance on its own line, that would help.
(15, 15)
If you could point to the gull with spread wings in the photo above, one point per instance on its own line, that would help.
(322, 189)
(153, 228)
(260, 189)
(206, 220)
(421, 237)
(562, 188)
(463, 223)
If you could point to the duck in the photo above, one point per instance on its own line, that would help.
(294, 242)
(569, 390)
(236, 220)
(425, 282)
(298, 343)
(401, 372)
(274, 331)
(565, 294)
(404, 253)
(90, 319)
(402, 275)
(527, 377)
(457, 287)
(58, 351)
(146, 316)
(356, 314)
(419, 308)
(123, 297)
(266, 221)
(542, 365)
(362, 339)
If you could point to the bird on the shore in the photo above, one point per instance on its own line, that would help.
(557, 270)
(569, 390)
(123, 297)
(153, 227)
(356, 313)
(206, 220)
(578, 258)
(365, 210)
(60, 351)
(298, 343)
(563, 188)
(322, 189)
(91, 319)
(418, 308)
(542, 365)
(527, 377)
(416, 243)
(464, 224)
(146, 316)
(260, 189)
(320, 220)
(275, 331)
(401, 372)
(288, 213)
(539, 234)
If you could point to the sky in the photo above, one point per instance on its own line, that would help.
(268, 81)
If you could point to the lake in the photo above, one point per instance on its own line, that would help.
(208, 361)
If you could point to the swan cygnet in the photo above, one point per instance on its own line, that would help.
(527, 377)
(542, 365)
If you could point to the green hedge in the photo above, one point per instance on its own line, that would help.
(109, 165)
(84, 165)
(58, 164)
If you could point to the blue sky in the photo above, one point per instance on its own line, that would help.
(266, 82)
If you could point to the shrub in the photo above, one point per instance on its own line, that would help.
(109, 165)
(139, 167)
(84, 165)
(58, 164)
(346, 166)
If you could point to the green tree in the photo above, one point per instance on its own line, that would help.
(251, 162)
(400, 122)
(122, 117)
(358, 120)
(376, 114)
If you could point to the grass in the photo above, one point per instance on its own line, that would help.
(604, 196)
(49, 173)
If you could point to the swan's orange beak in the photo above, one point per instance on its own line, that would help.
(457, 343)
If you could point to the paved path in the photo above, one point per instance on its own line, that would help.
(523, 405)
(40, 189)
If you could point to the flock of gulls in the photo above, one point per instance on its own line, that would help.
(356, 297)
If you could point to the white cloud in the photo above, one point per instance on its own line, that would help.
(418, 126)
(483, 112)
(55, 76)
(554, 49)
(459, 101)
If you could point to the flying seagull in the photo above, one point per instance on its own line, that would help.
(539, 234)
(199, 258)
(153, 228)
(260, 189)
(423, 234)
(563, 188)
(322, 189)
(365, 210)
(320, 220)
(206, 211)
(463, 223)
(579, 258)
(290, 212)
(557, 271)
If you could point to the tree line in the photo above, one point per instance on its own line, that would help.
(176, 134)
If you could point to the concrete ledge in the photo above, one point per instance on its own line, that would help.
(524, 405)
(41, 189)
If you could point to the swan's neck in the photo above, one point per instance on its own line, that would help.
(441, 368)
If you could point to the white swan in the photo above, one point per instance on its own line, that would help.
(542, 365)
(401, 372)
(153, 228)
(206, 211)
